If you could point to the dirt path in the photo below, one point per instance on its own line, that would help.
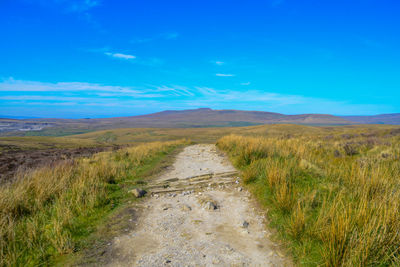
(197, 215)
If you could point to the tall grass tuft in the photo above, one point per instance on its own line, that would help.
(335, 200)
(46, 212)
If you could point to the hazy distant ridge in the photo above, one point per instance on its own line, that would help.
(208, 117)
(393, 118)
(203, 117)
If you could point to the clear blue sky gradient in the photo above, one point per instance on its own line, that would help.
(103, 58)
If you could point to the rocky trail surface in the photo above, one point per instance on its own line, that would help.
(196, 214)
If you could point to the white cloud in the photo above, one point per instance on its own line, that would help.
(12, 85)
(246, 83)
(41, 98)
(224, 75)
(120, 55)
(159, 97)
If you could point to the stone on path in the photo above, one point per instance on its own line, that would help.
(138, 192)
(245, 224)
(210, 205)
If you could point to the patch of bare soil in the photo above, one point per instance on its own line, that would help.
(12, 161)
(196, 215)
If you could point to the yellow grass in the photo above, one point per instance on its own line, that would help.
(45, 211)
(335, 207)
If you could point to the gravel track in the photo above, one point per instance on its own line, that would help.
(197, 214)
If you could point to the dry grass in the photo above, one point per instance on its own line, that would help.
(46, 212)
(335, 198)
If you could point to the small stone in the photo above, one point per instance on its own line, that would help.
(138, 192)
(166, 206)
(240, 189)
(210, 205)
(167, 261)
(245, 224)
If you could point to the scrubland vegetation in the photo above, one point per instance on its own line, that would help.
(332, 193)
(48, 212)
(333, 198)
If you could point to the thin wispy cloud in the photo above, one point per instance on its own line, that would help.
(224, 75)
(120, 55)
(219, 63)
(176, 90)
(13, 85)
(19, 92)
(246, 83)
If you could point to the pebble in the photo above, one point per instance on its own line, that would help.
(210, 205)
(138, 192)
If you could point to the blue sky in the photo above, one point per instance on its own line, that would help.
(103, 58)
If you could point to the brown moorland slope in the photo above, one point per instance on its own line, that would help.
(203, 117)
(377, 119)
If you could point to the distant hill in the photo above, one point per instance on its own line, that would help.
(203, 117)
(376, 119)
(206, 117)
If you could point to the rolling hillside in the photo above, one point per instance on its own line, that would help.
(377, 119)
(203, 117)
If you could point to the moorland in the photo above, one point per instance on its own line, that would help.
(330, 192)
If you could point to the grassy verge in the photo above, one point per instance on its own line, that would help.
(51, 211)
(335, 200)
